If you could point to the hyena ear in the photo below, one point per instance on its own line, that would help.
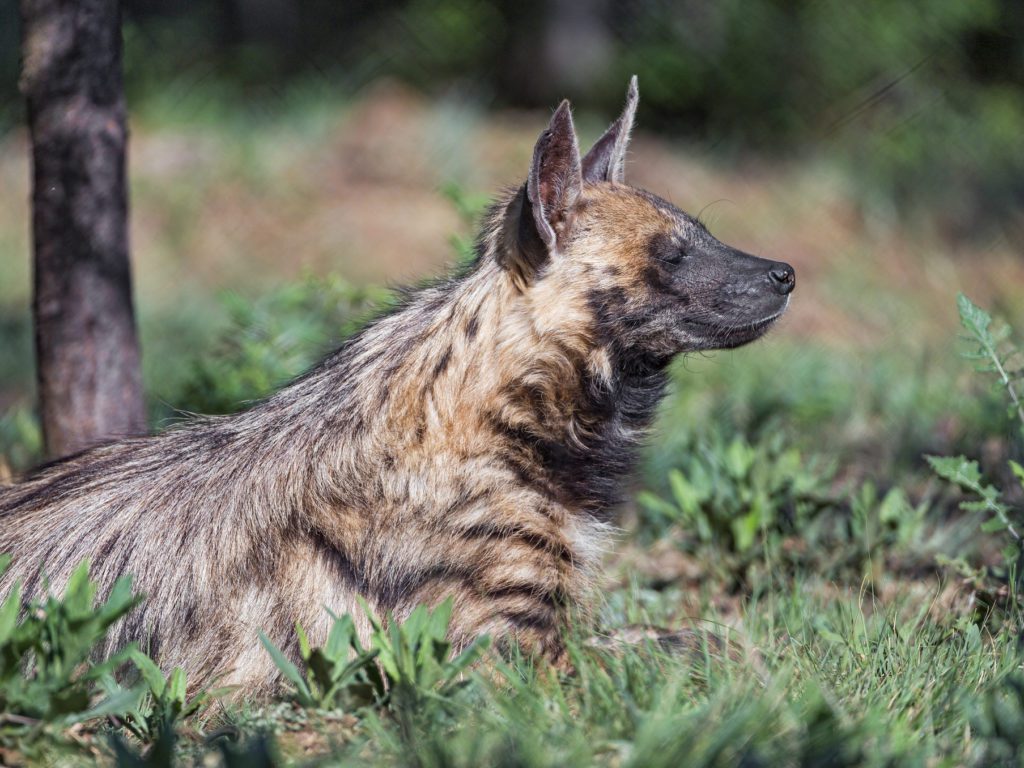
(606, 160)
(542, 211)
(556, 178)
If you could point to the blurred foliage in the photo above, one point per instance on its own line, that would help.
(998, 719)
(877, 414)
(470, 208)
(730, 493)
(887, 522)
(21, 440)
(273, 339)
(15, 347)
(744, 508)
(922, 100)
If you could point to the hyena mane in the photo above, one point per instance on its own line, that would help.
(470, 444)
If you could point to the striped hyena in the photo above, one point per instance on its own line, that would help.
(471, 443)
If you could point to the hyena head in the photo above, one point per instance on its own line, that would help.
(635, 272)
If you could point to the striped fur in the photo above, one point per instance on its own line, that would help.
(472, 443)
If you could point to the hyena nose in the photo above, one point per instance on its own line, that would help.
(782, 277)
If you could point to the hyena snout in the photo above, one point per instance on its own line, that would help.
(758, 287)
(752, 294)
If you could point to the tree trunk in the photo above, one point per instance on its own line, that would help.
(87, 351)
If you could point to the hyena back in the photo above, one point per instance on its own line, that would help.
(471, 444)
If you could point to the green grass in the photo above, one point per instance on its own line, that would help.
(808, 680)
(815, 681)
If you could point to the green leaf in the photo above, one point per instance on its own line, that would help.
(993, 526)
(1018, 471)
(339, 639)
(119, 703)
(985, 505)
(80, 592)
(956, 469)
(9, 612)
(894, 506)
(973, 318)
(370, 615)
(658, 505)
(825, 632)
(739, 457)
(150, 672)
(686, 496)
(441, 618)
(972, 637)
(177, 687)
(304, 649)
(120, 601)
(745, 531)
(1011, 553)
(288, 669)
(322, 673)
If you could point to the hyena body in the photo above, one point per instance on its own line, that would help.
(470, 444)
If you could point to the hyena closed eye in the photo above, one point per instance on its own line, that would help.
(470, 444)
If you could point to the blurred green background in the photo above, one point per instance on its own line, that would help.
(921, 100)
(875, 146)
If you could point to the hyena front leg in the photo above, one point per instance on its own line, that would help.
(521, 576)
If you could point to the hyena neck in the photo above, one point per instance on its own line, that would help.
(466, 368)
(576, 413)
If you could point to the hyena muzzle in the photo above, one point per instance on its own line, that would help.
(472, 443)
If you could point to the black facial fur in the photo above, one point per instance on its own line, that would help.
(703, 294)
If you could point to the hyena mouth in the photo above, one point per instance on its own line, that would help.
(723, 335)
(763, 324)
(754, 326)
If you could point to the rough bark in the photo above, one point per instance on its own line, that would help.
(87, 351)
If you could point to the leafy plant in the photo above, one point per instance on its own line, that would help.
(887, 521)
(273, 339)
(407, 663)
(46, 675)
(994, 353)
(159, 754)
(727, 492)
(416, 655)
(165, 701)
(998, 720)
(258, 752)
(967, 475)
(339, 675)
